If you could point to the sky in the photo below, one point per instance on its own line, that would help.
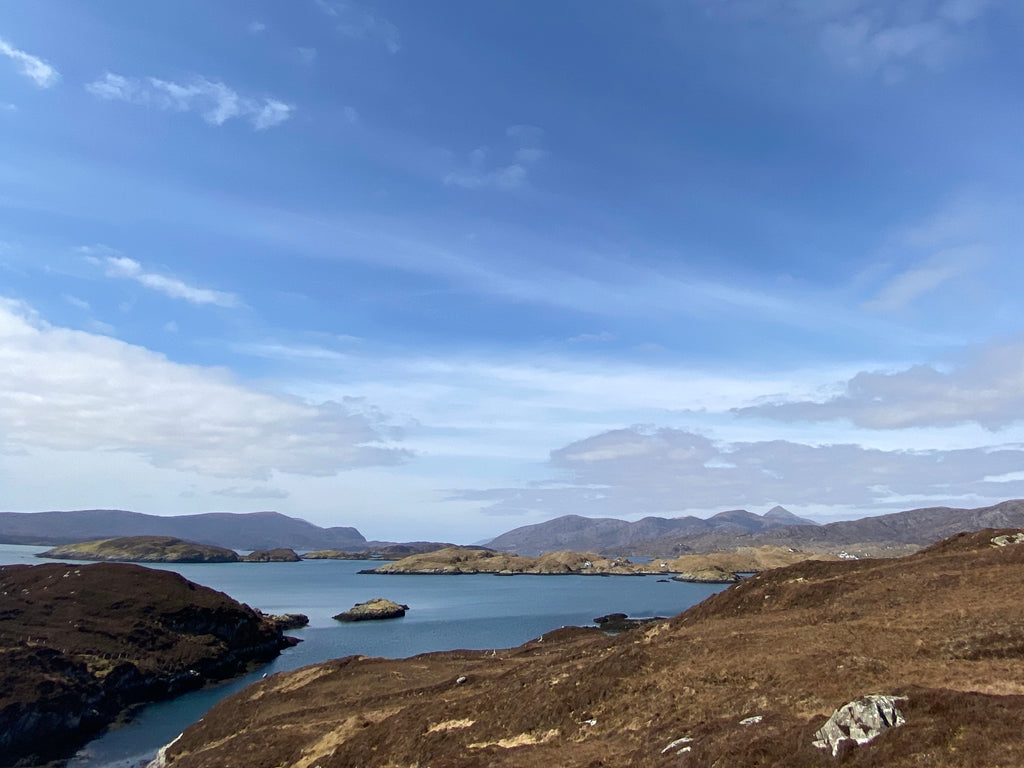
(439, 270)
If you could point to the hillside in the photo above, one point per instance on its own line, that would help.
(142, 549)
(744, 679)
(79, 644)
(880, 536)
(255, 530)
(602, 534)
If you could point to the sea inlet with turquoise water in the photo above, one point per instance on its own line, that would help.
(446, 612)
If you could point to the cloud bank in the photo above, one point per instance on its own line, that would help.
(214, 101)
(71, 390)
(988, 390)
(646, 471)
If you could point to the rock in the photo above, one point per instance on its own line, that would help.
(753, 720)
(620, 622)
(285, 621)
(279, 555)
(859, 721)
(1010, 538)
(712, 575)
(377, 608)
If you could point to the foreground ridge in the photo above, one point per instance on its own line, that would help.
(746, 678)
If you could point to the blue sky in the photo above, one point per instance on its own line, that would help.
(437, 271)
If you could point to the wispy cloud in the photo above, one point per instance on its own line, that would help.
(254, 492)
(478, 171)
(255, 27)
(32, 67)
(901, 290)
(120, 266)
(874, 36)
(355, 21)
(71, 390)
(214, 101)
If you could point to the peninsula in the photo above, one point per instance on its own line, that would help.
(81, 643)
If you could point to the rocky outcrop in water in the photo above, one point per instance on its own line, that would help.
(371, 610)
(278, 555)
(80, 644)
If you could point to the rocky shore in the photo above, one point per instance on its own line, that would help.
(899, 663)
(721, 567)
(80, 644)
(372, 610)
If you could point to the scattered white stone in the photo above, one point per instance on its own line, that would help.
(860, 721)
(752, 720)
(460, 679)
(684, 750)
(591, 722)
(1008, 538)
(677, 743)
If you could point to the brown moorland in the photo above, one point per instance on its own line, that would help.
(80, 643)
(943, 627)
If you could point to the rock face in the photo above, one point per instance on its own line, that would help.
(79, 644)
(744, 679)
(620, 622)
(859, 722)
(376, 608)
(142, 549)
(278, 555)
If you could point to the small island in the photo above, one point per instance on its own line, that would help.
(278, 555)
(142, 549)
(373, 610)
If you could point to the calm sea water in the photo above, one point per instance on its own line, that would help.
(446, 612)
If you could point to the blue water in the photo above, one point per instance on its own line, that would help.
(446, 612)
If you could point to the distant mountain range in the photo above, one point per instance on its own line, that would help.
(255, 530)
(661, 537)
(590, 534)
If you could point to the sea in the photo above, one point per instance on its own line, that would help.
(480, 612)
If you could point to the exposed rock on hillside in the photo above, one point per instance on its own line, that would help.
(373, 609)
(79, 644)
(744, 679)
(142, 549)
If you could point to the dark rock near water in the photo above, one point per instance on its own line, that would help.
(80, 644)
(620, 622)
(377, 608)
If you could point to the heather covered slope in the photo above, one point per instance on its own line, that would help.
(944, 628)
(79, 643)
(142, 549)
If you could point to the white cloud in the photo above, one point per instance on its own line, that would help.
(477, 173)
(988, 390)
(589, 338)
(306, 55)
(120, 266)
(32, 67)
(354, 21)
(255, 27)
(75, 391)
(214, 101)
(647, 471)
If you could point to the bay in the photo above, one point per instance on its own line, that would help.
(446, 612)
